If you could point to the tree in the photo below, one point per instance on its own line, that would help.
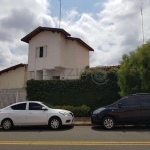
(134, 72)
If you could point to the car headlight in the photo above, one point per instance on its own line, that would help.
(98, 111)
(65, 113)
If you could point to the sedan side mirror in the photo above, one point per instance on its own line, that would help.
(119, 105)
(44, 108)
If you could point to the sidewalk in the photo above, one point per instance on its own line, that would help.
(82, 121)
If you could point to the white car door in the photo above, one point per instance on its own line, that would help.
(35, 114)
(18, 114)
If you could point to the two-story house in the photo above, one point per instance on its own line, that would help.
(54, 54)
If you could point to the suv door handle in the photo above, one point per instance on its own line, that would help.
(30, 113)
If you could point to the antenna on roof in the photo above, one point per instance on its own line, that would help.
(60, 14)
(142, 20)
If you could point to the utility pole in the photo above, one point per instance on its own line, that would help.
(60, 14)
(142, 20)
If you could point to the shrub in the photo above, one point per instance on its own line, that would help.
(94, 89)
(134, 72)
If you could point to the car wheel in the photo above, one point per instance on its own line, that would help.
(108, 123)
(55, 123)
(7, 124)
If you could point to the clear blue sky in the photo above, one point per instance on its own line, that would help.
(82, 6)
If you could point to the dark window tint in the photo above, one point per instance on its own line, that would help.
(35, 106)
(131, 101)
(19, 106)
(41, 51)
(56, 77)
(145, 100)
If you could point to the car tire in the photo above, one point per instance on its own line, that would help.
(55, 123)
(7, 124)
(108, 123)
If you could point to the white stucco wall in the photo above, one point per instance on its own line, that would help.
(68, 56)
(76, 59)
(82, 56)
(51, 40)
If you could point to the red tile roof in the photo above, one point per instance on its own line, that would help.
(28, 37)
(106, 67)
(82, 42)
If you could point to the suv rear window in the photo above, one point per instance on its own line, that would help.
(21, 106)
(145, 100)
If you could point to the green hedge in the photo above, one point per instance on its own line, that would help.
(81, 111)
(95, 88)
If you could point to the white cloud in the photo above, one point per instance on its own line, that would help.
(115, 31)
(71, 14)
(18, 18)
(112, 32)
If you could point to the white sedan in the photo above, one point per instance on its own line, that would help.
(34, 113)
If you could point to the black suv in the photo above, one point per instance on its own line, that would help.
(130, 110)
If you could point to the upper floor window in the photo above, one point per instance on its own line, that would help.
(41, 52)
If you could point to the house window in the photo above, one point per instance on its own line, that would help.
(56, 77)
(41, 52)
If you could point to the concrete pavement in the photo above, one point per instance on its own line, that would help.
(76, 138)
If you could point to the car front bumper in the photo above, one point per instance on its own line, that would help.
(67, 120)
(95, 119)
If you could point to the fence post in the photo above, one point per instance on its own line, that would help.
(16, 97)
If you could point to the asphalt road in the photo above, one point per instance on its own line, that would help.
(76, 138)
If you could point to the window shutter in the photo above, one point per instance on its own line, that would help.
(45, 51)
(37, 52)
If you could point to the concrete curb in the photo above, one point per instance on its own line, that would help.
(82, 121)
(82, 124)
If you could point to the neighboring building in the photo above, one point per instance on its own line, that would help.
(14, 77)
(53, 54)
(12, 85)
